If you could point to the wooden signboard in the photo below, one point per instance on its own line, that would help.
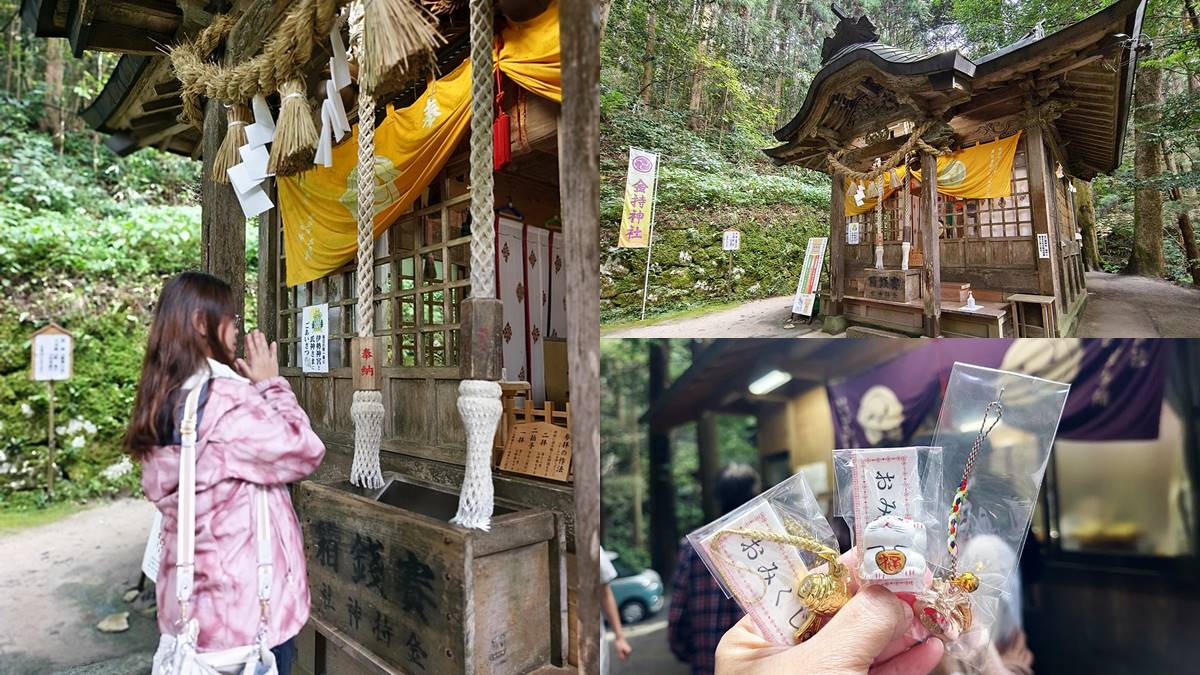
(894, 285)
(538, 449)
(52, 354)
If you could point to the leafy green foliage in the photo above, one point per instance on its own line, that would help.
(624, 382)
(708, 182)
(86, 239)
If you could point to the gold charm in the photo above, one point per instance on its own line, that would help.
(945, 609)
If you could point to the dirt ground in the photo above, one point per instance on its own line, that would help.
(59, 580)
(1125, 306)
(758, 318)
(1118, 306)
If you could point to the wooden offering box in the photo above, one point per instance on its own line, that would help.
(401, 590)
(893, 285)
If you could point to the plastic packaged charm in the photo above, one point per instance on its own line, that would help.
(764, 553)
(996, 429)
(883, 494)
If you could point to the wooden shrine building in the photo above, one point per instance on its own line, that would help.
(442, 598)
(1002, 134)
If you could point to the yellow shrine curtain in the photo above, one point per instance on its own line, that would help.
(980, 172)
(320, 206)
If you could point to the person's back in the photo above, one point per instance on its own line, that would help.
(251, 437)
(701, 613)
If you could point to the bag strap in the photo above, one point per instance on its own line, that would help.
(185, 564)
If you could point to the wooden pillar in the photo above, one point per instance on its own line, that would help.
(837, 245)
(579, 179)
(664, 528)
(708, 450)
(1040, 192)
(932, 279)
(222, 225)
(268, 270)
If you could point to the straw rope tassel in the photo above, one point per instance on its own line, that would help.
(366, 408)
(479, 400)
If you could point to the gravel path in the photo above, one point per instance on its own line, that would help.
(758, 318)
(59, 580)
(1118, 306)
(1128, 306)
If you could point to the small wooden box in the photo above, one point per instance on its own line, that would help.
(954, 291)
(401, 590)
(893, 285)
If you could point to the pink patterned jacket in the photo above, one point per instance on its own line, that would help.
(249, 434)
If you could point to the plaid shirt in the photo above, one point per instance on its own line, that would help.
(700, 613)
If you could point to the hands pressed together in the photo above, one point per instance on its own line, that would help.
(261, 362)
(873, 634)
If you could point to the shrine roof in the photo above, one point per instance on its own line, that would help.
(140, 103)
(1086, 69)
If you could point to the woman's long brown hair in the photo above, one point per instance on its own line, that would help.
(177, 349)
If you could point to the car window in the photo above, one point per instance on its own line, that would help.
(623, 569)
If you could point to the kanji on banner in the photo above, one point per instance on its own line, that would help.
(1116, 387)
(641, 184)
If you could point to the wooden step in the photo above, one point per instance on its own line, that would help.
(867, 332)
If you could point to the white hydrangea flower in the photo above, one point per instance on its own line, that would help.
(60, 430)
(26, 410)
(89, 427)
(754, 288)
(118, 469)
(77, 442)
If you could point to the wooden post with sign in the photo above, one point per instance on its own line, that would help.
(51, 359)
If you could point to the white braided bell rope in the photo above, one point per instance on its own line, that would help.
(366, 408)
(483, 257)
(480, 408)
(479, 400)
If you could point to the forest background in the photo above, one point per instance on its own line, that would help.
(706, 82)
(86, 239)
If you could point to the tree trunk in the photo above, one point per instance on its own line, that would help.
(1085, 215)
(1184, 220)
(695, 119)
(664, 530)
(1146, 256)
(52, 99)
(709, 449)
(648, 58)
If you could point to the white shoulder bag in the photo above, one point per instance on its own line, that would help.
(177, 654)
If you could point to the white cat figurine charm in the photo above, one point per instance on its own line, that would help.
(894, 554)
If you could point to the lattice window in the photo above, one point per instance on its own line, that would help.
(891, 217)
(422, 275)
(1000, 217)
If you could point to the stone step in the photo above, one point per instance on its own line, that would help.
(867, 332)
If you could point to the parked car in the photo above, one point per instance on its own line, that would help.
(639, 593)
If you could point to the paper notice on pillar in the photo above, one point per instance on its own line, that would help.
(853, 232)
(1043, 245)
(314, 339)
(761, 575)
(263, 129)
(810, 277)
(254, 202)
(255, 159)
(154, 548)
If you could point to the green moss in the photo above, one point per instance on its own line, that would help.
(702, 193)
